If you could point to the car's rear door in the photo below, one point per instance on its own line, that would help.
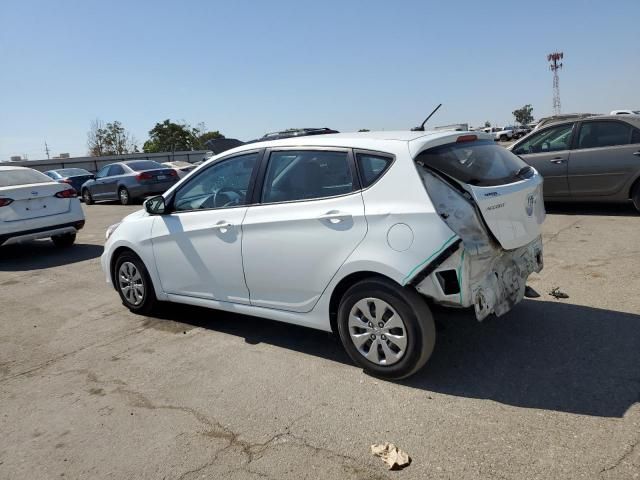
(548, 152)
(309, 220)
(605, 157)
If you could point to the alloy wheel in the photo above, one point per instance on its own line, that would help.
(131, 283)
(377, 331)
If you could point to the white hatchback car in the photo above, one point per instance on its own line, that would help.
(33, 206)
(351, 233)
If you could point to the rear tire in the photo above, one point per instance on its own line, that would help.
(386, 329)
(635, 195)
(86, 196)
(64, 241)
(133, 283)
(123, 196)
(503, 138)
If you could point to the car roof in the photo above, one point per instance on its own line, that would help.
(635, 119)
(11, 167)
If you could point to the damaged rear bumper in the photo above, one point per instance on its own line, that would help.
(492, 281)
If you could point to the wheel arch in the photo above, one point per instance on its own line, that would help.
(114, 257)
(341, 288)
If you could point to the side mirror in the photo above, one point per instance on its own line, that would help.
(93, 177)
(155, 205)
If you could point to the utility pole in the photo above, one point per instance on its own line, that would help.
(46, 149)
(554, 65)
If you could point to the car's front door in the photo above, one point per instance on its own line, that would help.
(96, 188)
(548, 152)
(197, 246)
(604, 159)
(110, 182)
(310, 219)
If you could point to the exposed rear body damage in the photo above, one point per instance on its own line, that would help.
(498, 241)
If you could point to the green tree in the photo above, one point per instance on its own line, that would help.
(487, 124)
(523, 115)
(169, 136)
(364, 130)
(109, 139)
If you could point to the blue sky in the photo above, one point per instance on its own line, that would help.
(248, 67)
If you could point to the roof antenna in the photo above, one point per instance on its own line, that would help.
(421, 127)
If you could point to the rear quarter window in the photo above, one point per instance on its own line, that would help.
(481, 163)
(371, 167)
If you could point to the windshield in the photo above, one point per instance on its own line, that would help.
(72, 172)
(143, 165)
(481, 163)
(22, 177)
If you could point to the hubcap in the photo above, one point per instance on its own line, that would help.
(130, 283)
(377, 331)
(124, 196)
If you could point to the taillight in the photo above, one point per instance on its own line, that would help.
(144, 176)
(173, 173)
(5, 201)
(466, 138)
(66, 180)
(68, 193)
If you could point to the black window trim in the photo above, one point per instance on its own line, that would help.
(576, 136)
(262, 174)
(169, 200)
(106, 167)
(373, 153)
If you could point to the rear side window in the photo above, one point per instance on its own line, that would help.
(115, 170)
(480, 163)
(141, 165)
(603, 134)
(635, 136)
(305, 175)
(371, 167)
(22, 177)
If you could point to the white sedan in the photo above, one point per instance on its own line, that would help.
(356, 233)
(33, 206)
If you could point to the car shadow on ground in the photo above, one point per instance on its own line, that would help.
(598, 209)
(546, 355)
(41, 254)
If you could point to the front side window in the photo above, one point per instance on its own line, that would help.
(554, 139)
(603, 134)
(103, 172)
(305, 175)
(223, 185)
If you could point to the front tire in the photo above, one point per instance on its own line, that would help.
(503, 138)
(133, 283)
(64, 241)
(386, 329)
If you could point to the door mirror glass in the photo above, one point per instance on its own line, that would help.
(155, 205)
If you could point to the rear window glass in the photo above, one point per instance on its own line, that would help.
(480, 163)
(72, 172)
(22, 177)
(143, 165)
(371, 167)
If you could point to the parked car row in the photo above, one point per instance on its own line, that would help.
(595, 158)
(33, 206)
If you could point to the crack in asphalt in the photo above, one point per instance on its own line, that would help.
(251, 450)
(54, 360)
(628, 451)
